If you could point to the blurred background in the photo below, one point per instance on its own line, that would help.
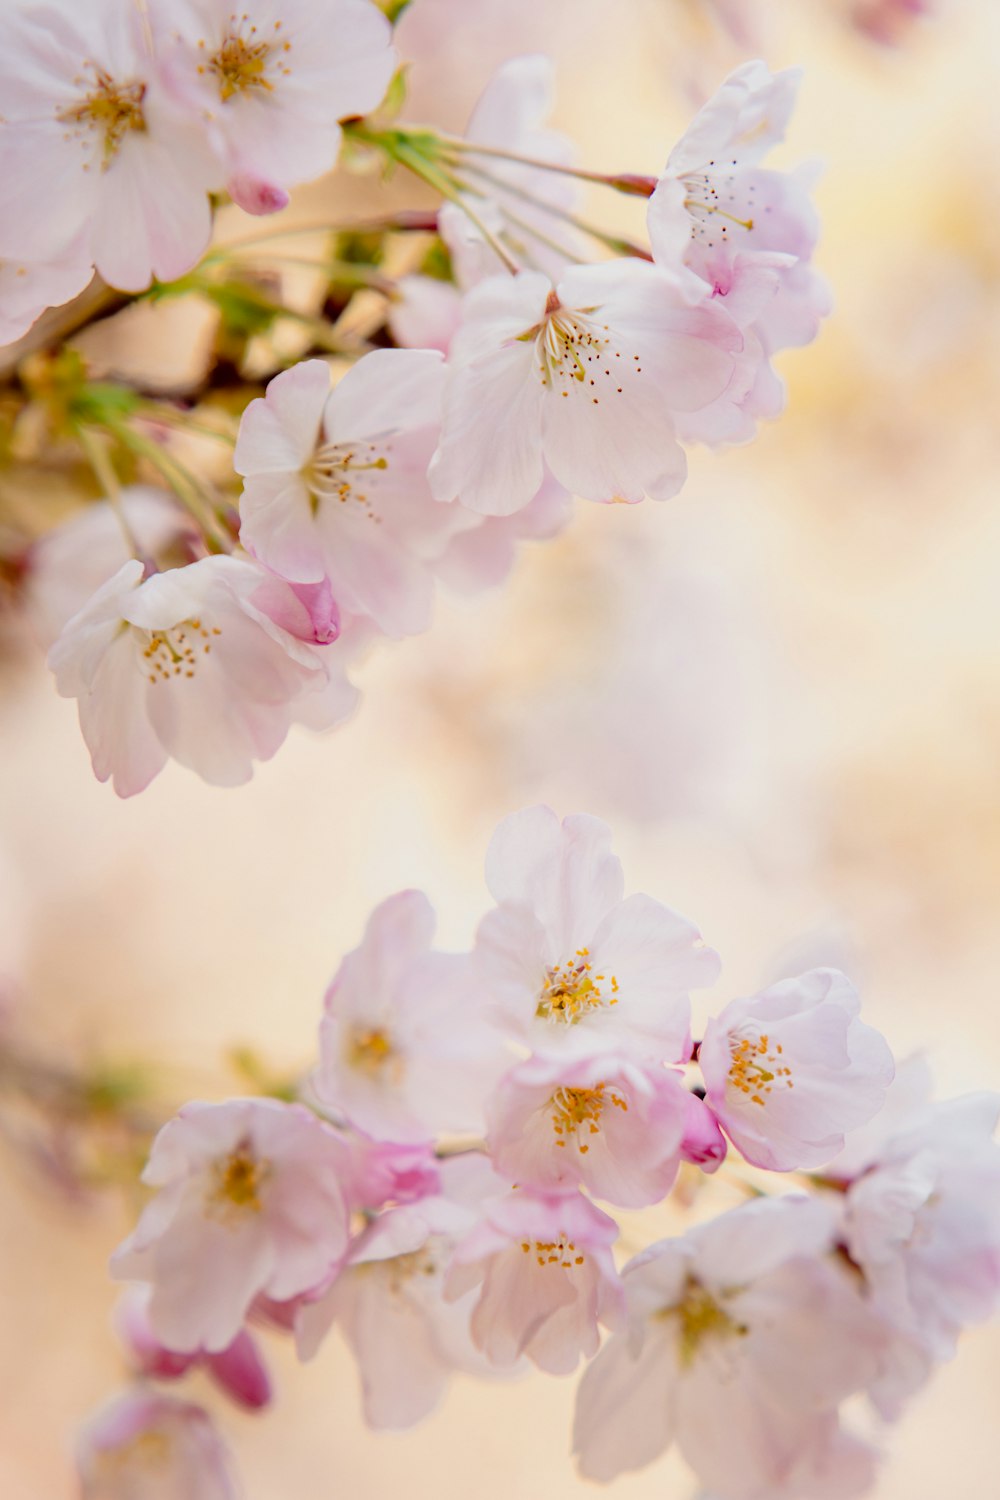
(781, 690)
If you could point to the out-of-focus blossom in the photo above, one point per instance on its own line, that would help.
(407, 1051)
(239, 1370)
(922, 1222)
(189, 665)
(520, 205)
(547, 1278)
(739, 1343)
(585, 378)
(335, 483)
(603, 1123)
(67, 565)
(250, 1202)
(790, 1071)
(144, 1446)
(887, 21)
(95, 160)
(271, 82)
(389, 1305)
(567, 961)
(27, 288)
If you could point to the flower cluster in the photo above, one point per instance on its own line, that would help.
(445, 1195)
(119, 120)
(189, 631)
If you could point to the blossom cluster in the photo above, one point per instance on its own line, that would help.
(530, 374)
(119, 120)
(445, 1194)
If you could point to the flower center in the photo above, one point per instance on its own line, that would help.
(113, 109)
(575, 353)
(572, 990)
(700, 1316)
(241, 63)
(238, 1180)
(756, 1067)
(332, 470)
(370, 1049)
(561, 1252)
(715, 205)
(176, 652)
(576, 1110)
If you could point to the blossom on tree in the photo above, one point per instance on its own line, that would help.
(520, 205)
(743, 1327)
(335, 483)
(921, 1220)
(604, 1123)
(546, 1278)
(585, 377)
(271, 82)
(145, 1444)
(715, 202)
(96, 161)
(190, 665)
(406, 1049)
(250, 1202)
(568, 962)
(713, 192)
(790, 1071)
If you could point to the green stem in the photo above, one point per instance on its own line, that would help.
(622, 182)
(107, 479)
(417, 152)
(612, 241)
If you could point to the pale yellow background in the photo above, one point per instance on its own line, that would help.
(781, 689)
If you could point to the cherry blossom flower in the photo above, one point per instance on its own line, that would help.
(571, 965)
(405, 1053)
(27, 288)
(335, 483)
(922, 1222)
(145, 1444)
(271, 79)
(67, 565)
(715, 204)
(546, 1275)
(713, 193)
(739, 1328)
(238, 1370)
(95, 160)
(388, 1301)
(603, 1123)
(586, 378)
(520, 205)
(250, 1201)
(791, 1070)
(189, 664)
